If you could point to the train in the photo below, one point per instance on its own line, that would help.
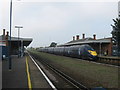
(77, 51)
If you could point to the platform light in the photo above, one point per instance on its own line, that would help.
(18, 39)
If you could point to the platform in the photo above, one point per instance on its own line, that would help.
(18, 78)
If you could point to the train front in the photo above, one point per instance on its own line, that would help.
(92, 54)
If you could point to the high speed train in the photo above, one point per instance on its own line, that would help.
(78, 51)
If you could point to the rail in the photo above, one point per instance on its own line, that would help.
(47, 79)
(63, 75)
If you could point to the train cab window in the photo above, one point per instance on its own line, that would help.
(89, 48)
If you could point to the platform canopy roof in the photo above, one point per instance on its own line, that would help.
(26, 41)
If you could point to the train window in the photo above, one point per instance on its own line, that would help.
(68, 52)
(89, 48)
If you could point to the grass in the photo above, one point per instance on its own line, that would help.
(91, 74)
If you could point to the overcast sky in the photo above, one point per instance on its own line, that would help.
(49, 20)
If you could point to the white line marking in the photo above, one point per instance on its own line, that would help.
(51, 84)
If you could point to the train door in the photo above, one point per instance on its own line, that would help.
(79, 52)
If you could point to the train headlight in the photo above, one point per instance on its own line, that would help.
(92, 52)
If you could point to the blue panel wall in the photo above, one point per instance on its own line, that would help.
(4, 51)
(0, 53)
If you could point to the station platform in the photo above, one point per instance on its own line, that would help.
(17, 76)
(23, 75)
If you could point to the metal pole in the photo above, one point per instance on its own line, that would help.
(18, 42)
(19, 51)
(10, 62)
(100, 49)
(21, 48)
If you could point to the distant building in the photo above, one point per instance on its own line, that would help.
(119, 9)
(17, 45)
(101, 46)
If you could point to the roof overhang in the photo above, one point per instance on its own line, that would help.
(26, 41)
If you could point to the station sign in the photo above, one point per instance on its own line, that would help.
(2, 43)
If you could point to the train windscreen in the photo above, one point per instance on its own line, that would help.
(89, 48)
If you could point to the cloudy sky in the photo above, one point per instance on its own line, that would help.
(49, 20)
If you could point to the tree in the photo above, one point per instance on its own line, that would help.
(53, 44)
(116, 34)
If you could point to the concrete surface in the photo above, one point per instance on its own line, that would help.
(17, 77)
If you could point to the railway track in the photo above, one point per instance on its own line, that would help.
(68, 79)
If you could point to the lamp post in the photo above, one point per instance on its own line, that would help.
(9, 48)
(18, 39)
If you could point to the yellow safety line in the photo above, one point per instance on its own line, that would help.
(28, 75)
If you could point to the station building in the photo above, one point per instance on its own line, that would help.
(18, 45)
(102, 46)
